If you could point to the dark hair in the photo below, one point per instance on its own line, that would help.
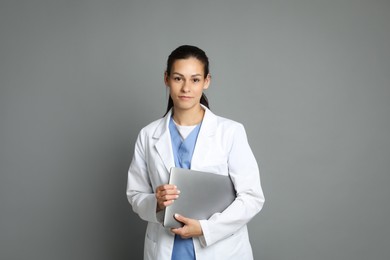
(185, 52)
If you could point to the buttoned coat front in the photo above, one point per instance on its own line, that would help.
(221, 148)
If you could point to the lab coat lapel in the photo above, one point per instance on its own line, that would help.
(205, 140)
(163, 144)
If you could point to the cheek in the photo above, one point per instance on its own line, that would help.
(200, 88)
(172, 86)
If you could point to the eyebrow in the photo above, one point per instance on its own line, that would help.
(181, 75)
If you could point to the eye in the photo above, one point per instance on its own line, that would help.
(196, 80)
(177, 79)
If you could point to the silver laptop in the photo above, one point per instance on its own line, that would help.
(201, 195)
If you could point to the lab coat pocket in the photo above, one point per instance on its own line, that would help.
(150, 248)
(239, 246)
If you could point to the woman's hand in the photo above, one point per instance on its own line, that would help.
(191, 228)
(166, 195)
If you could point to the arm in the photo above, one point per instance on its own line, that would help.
(149, 205)
(139, 188)
(244, 173)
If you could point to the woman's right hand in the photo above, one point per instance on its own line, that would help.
(166, 194)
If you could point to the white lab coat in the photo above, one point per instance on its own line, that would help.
(221, 148)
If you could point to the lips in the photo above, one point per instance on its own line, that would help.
(184, 97)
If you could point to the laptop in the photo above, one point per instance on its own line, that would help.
(201, 195)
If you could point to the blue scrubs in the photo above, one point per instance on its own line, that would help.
(183, 249)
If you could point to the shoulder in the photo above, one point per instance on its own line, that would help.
(226, 122)
(153, 125)
(147, 133)
(150, 128)
(224, 128)
(223, 122)
(230, 129)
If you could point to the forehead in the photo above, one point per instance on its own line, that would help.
(188, 66)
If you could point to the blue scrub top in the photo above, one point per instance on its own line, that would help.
(183, 249)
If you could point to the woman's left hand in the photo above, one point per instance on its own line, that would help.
(191, 228)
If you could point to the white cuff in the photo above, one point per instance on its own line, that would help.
(206, 233)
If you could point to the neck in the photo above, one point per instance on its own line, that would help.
(188, 117)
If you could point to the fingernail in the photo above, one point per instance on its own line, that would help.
(178, 191)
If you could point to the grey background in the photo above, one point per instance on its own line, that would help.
(310, 80)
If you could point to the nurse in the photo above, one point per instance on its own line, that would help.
(191, 136)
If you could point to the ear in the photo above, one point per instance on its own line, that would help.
(207, 81)
(166, 79)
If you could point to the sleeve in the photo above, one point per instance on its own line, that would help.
(244, 172)
(139, 190)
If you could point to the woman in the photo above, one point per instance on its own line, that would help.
(191, 136)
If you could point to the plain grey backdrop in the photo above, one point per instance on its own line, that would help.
(309, 79)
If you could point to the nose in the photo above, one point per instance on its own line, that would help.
(185, 87)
